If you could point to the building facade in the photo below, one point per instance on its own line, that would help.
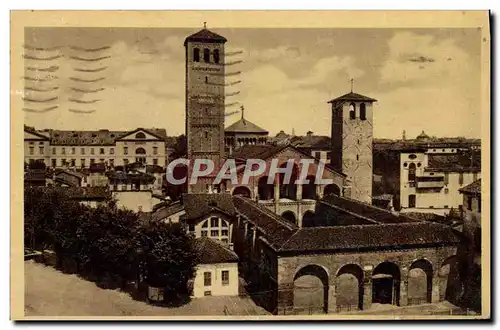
(430, 180)
(352, 137)
(80, 149)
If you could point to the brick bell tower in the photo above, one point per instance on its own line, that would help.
(205, 101)
(352, 138)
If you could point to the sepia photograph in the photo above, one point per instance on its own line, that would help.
(250, 165)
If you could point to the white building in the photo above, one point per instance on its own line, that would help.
(80, 149)
(217, 270)
(430, 179)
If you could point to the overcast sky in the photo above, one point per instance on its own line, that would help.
(423, 79)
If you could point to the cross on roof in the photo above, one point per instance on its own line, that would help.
(242, 112)
(352, 84)
(204, 25)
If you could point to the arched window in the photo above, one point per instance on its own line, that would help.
(206, 55)
(362, 111)
(196, 55)
(140, 151)
(352, 111)
(411, 172)
(140, 135)
(216, 56)
(206, 80)
(216, 228)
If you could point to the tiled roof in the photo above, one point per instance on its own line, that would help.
(352, 97)
(35, 175)
(256, 151)
(198, 205)
(88, 193)
(244, 126)
(473, 188)
(164, 212)
(130, 177)
(205, 36)
(370, 212)
(102, 137)
(370, 236)
(396, 232)
(210, 251)
(312, 142)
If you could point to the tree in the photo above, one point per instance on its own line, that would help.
(169, 259)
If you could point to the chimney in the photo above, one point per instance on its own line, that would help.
(309, 133)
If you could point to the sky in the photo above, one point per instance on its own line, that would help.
(423, 79)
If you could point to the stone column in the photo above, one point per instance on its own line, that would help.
(367, 287)
(332, 299)
(276, 194)
(403, 287)
(299, 192)
(435, 287)
(285, 298)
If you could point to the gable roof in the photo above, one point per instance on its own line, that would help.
(244, 126)
(159, 133)
(198, 205)
(384, 232)
(472, 188)
(101, 137)
(210, 251)
(205, 35)
(352, 97)
(34, 132)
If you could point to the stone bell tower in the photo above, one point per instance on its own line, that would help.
(205, 101)
(352, 138)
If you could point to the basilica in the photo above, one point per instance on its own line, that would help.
(305, 248)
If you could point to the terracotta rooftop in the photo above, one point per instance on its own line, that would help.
(198, 205)
(352, 97)
(473, 188)
(102, 137)
(210, 251)
(205, 35)
(245, 126)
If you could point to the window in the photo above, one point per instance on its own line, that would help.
(469, 203)
(191, 227)
(82, 162)
(125, 150)
(207, 278)
(225, 232)
(205, 225)
(41, 150)
(91, 151)
(411, 172)
(352, 111)
(63, 162)
(214, 233)
(140, 135)
(224, 240)
(446, 206)
(225, 277)
(73, 151)
(204, 233)
(112, 162)
(206, 55)
(405, 164)
(92, 161)
(155, 161)
(73, 162)
(140, 151)
(206, 135)
(196, 55)
(206, 80)
(101, 151)
(461, 178)
(446, 190)
(216, 56)
(63, 151)
(53, 151)
(155, 150)
(101, 160)
(357, 157)
(412, 201)
(362, 111)
(431, 207)
(54, 163)
(82, 151)
(214, 222)
(141, 160)
(111, 151)
(446, 178)
(32, 150)
(207, 293)
(419, 164)
(474, 176)
(125, 161)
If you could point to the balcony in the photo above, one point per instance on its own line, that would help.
(430, 181)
